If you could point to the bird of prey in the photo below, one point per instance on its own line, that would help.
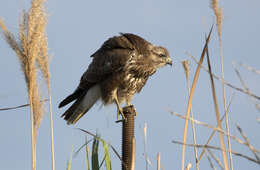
(119, 69)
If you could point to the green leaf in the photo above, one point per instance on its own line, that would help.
(87, 153)
(94, 158)
(107, 156)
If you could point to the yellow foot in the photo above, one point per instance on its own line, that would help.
(135, 112)
(120, 111)
(132, 106)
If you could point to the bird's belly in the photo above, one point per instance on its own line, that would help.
(122, 87)
(128, 87)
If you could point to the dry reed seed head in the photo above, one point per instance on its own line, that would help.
(37, 26)
(31, 33)
(36, 37)
(12, 42)
(219, 21)
(218, 12)
(35, 14)
(23, 32)
(37, 108)
(186, 68)
(30, 51)
(44, 67)
(37, 52)
(43, 60)
(10, 39)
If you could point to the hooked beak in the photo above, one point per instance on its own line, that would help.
(169, 61)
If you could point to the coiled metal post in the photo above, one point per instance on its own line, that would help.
(128, 138)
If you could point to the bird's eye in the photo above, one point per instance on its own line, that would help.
(162, 55)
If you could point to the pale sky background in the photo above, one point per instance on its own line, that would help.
(76, 29)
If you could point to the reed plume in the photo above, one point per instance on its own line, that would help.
(218, 13)
(31, 47)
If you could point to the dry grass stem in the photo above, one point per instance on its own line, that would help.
(250, 68)
(159, 161)
(253, 150)
(185, 65)
(20, 106)
(10, 39)
(221, 137)
(226, 83)
(188, 167)
(145, 146)
(196, 76)
(218, 148)
(210, 161)
(147, 160)
(213, 132)
(245, 87)
(215, 158)
(218, 13)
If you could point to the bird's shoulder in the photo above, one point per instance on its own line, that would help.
(125, 41)
(114, 43)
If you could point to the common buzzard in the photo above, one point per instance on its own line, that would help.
(118, 70)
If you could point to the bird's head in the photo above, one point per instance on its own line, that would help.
(160, 56)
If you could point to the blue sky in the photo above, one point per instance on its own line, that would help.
(76, 29)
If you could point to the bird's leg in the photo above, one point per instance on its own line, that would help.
(128, 103)
(119, 109)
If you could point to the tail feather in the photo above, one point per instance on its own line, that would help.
(71, 98)
(82, 105)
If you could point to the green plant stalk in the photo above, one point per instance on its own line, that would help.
(94, 157)
(87, 158)
(107, 157)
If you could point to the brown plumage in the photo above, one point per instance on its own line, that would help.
(119, 69)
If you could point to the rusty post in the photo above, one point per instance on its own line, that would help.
(128, 138)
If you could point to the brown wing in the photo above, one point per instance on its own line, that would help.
(110, 58)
